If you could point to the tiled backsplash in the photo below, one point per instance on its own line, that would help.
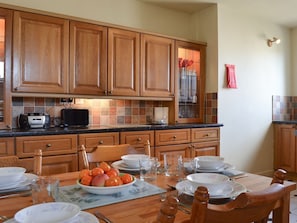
(103, 111)
(284, 108)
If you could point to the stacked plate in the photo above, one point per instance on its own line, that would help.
(14, 179)
(53, 212)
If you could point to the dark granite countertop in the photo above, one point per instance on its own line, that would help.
(99, 129)
(285, 122)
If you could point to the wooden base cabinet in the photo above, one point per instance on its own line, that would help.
(285, 155)
(59, 152)
(205, 142)
(7, 146)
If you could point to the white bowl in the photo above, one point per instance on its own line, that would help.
(132, 160)
(11, 174)
(48, 213)
(106, 190)
(210, 162)
(213, 181)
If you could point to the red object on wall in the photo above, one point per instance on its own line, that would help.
(231, 77)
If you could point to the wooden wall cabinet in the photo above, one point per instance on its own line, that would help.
(285, 147)
(138, 140)
(123, 62)
(59, 152)
(40, 53)
(157, 66)
(88, 58)
(5, 71)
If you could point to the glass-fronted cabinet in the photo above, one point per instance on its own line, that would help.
(191, 82)
(5, 68)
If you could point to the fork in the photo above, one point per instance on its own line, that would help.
(102, 217)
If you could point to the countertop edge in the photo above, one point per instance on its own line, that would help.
(99, 129)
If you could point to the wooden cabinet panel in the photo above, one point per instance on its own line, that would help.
(138, 139)
(157, 66)
(123, 62)
(205, 134)
(40, 53)
(7, 146)
(170, 137)
(285, 147)
(88, 58)
(205, 149)
(182, 149)
(50, 145)
(92, 140)
(5, 60)
(53, 164)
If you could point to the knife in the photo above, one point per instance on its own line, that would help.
(102, 217)
(17, 194)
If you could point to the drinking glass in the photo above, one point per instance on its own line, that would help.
(45, 189)
(173, 164)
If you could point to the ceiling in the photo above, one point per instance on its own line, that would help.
(282, 12)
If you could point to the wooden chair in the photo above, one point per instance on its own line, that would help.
(248, 207)
(168, 210)
(107, 153)
(7, 161)
(38, 162)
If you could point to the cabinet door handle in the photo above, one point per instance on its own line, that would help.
(139, 139)
(110, 92)
(48, 145)
(105, 92)
(174, 137)
(100, 142)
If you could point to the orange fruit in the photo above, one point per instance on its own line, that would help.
(97, 171)
(112, 173)
(84, 172)
(86, 180)
(105, 166)
(112, 181)
(127, 178)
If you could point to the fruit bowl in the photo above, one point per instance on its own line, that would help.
(132, 160)
(106, 190)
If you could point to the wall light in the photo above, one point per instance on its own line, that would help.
(274, 40)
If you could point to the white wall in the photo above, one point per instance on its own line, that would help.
(262, 71)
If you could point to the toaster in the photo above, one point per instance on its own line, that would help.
(34, 121)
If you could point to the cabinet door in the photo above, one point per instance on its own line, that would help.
(285, 147)
(5, 68)
(181, 149)
(53, 164)
(7, 146)
(123, 62)
(206, 149)
(88, 58)
(190, 84)
(138, 140)
(157, 66)
(40, 53)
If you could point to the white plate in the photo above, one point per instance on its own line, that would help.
(23, 182)
(51, 212)
(106, 190)
(82, 217)
(186, 187)
(11, 174)
(223, 168)
(121, 165)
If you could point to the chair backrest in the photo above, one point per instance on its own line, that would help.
(37, 169)
(7, 161)
(247, 207)
(107, 153)
(168, 210)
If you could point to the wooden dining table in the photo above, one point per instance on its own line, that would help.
(145, 209)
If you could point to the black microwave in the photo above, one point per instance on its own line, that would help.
(75, 117)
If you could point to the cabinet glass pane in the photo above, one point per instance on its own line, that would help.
(189, 82)
(2, 40)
